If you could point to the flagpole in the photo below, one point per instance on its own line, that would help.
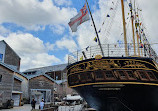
(95, 30)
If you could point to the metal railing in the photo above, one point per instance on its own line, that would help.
(112, 50)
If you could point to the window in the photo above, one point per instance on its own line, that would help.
(109, 75)
(151, 75)
(1, 57)
(83, 77)
(0, 78)
(122, 75)
(73, 79)
(99, 75)
(143, 75)
(131, 75)
(89, 76)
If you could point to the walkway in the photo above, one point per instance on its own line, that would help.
(26, 107)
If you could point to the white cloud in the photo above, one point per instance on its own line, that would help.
(63, 2)
(38, 60)
(66, 43)
(49, 46)
(33, 52)
(57, 29)
(66, 58)
(32, 14)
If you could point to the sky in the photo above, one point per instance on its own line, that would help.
(38, 30)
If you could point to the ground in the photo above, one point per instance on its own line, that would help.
(27, 107)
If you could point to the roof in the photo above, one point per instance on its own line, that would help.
(12, 69)
(17, 92)
(59, 67)
(18, 78)
(40, 74)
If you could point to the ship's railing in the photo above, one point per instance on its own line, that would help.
(113, 50)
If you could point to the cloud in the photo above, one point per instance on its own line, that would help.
(112, 29)
(63, 2)
(66, 58)
(33, 52)
(66, 43)
(38, 60)
(33, 14)
(57, 29)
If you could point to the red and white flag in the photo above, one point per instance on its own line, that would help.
(81, 17)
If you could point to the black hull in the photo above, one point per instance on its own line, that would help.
(116, 84)
(126, 98)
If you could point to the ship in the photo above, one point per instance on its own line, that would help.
(117, 82)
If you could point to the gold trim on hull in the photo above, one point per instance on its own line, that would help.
(134, 83)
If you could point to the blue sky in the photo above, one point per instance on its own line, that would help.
(38, 30)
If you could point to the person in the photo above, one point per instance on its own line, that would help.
(33, 104)
(42, 104)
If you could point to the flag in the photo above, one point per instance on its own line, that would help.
(130, 5)
(141, 45)
(95, 39)
(81, 58)
(87, 48)
(120, 43)
(99, 31)
(81, 17)
(108, 15)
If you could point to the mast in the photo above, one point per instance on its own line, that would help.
(132, 19)
(95, 30)
(137, 22)
(124, 28)
(136, 26)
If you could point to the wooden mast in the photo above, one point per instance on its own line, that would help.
(136, 25)
(137, 21)
(132, 19)
(95, 30)
(124, 28)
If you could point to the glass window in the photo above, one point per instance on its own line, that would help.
(130, 74)
(73, 78)
(99, 75)
(89, 76)
(151, 75)
(142, 74)
(1, 57)
(122, 75)
(83, 76)
(109, 74)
